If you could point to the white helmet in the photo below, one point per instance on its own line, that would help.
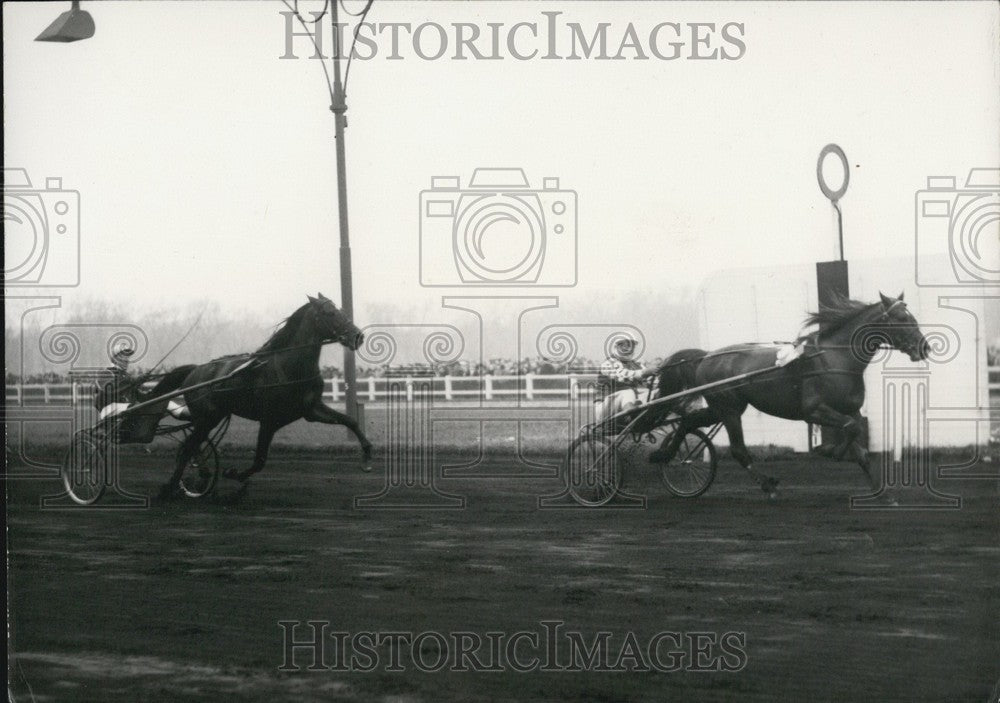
(624, 344)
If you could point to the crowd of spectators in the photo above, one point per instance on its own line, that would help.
(492, 367)
(499, 366)
(49, 377)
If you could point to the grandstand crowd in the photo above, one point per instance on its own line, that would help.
(492, 367)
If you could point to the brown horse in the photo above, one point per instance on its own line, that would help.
(824, 387)
(284, 385)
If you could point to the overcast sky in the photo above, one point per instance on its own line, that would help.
(205, 163)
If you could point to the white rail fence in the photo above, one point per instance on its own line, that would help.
(376, 389)
(528, 387)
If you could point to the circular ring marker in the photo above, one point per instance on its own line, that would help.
(833, 195)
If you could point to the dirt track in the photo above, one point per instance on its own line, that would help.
(182, 601)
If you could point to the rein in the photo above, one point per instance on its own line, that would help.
(272, 352)
(144, 378)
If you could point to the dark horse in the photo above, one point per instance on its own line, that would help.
(282, 386)
(825, 386)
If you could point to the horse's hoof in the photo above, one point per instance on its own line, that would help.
(367, 468)
(237, 476)
(770, 486)
(822, 450)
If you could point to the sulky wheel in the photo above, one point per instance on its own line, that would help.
(84, 468)
(692, 469)
(201, 472)
(593, 467)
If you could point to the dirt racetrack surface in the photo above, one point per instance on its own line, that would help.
(182, 600)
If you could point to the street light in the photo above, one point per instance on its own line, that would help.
(73, 25)
(338, 106)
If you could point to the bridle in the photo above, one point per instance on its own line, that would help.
(911, 343)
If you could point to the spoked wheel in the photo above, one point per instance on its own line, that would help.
(692, 469)
(84, 468)
(201, 472)
(593, 466)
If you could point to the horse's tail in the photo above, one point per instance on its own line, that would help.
(677, 374)
(171, 381)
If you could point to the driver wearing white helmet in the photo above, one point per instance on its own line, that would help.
(620, 376)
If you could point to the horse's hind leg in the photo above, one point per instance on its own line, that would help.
(703, 417)
(265, 433)
(189, 446)
(823, 414)
(734, 428)
(860, 454)
(325, 414)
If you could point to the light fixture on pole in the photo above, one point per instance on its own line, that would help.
(72, 25)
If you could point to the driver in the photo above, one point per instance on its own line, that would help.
(620, 375)
(106, 399)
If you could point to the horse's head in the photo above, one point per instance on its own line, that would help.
(901, 329)
(333, 324)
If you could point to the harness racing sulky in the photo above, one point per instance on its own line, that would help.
(274, 386)
(817, 378)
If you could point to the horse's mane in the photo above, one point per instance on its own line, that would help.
(286, 330)
(837, 313)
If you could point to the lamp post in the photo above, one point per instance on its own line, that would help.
(339, 109)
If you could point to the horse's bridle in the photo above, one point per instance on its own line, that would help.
(912, 344)
(885, 313)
